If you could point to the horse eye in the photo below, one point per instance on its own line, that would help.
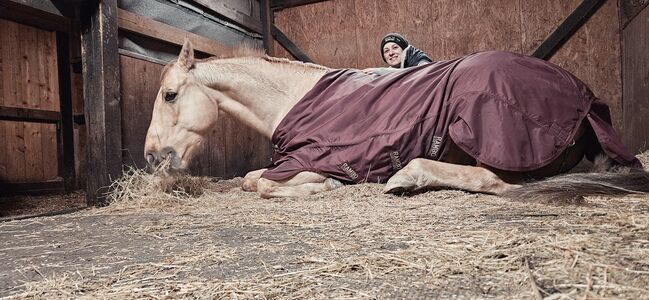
(170, 96)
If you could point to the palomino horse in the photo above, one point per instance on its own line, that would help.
(463, 124)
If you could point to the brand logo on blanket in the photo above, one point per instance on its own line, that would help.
(348, 170)
(396, 161)
(434, 146)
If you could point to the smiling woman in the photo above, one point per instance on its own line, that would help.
(398, 53)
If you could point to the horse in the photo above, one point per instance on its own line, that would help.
(276, 97)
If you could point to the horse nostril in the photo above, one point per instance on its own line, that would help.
(150, 159)
(168, 152)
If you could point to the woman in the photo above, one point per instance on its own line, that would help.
(397, 53)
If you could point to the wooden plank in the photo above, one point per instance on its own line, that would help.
(32, 188)
(3, 126)
(27, 15)
(289, 45)
(266, 25)
(101, 75)
(283, 4)
(18, 114)
(231, 14)
(629, 9)
(66, 130)
(216, 147)
(16, 98)
(140, 82)
(138, 24)
(569, 26)
(245, 149)
(635, 82)
(50, 101)
(5, 61)
(33, 136)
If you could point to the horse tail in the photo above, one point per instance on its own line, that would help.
(609, 180)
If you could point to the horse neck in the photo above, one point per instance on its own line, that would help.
(256, 91)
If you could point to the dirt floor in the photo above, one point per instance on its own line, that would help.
(21, 207)
(350, 243)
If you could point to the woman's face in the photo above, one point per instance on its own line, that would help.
(392, 54)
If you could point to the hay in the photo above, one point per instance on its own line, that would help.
(138, 189)
(349, 243)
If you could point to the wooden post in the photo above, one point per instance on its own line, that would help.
(266, 25)
(101, 93)
(65, 130)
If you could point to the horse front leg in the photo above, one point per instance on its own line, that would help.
(250, 180)
(423, 173)
(302, 184)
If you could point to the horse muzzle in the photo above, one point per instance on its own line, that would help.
(167, 159)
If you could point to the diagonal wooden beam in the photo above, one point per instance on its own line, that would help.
(282, 4)
(289, 45)
(570, 25)
(135, 23)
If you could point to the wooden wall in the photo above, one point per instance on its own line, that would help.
(28, 70)
(346, 33)
(635, 43)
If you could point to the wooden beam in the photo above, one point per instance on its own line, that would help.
(65, 131)
(282, 4)
(266, 15)
(29, 115)
(28, 15)
(232, 14)
(629, 9)
(160, 31)
(569, 26)
(289, 45)
(101, 93)
(32, 188)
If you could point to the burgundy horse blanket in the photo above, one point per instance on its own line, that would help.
(508, 111)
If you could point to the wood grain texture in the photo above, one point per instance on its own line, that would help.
(139, 87)
(636, 82)
(593, 55)
(29, 80)
(325, 31)
(102, 99)
(135, 23)
(447, 29)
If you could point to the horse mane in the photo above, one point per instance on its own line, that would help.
(252, 52)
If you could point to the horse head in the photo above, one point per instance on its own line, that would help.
(183, 113)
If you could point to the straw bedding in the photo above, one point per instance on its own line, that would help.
(203, 238)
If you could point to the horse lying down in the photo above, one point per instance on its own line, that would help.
(487, 122)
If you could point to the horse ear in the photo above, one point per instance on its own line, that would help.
(186, 56)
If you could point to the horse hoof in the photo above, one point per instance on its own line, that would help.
(398, 188)
(331, 183)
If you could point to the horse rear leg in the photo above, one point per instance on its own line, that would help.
(302, 184)
(424, 173)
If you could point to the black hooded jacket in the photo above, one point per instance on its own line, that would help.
(412, 57)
